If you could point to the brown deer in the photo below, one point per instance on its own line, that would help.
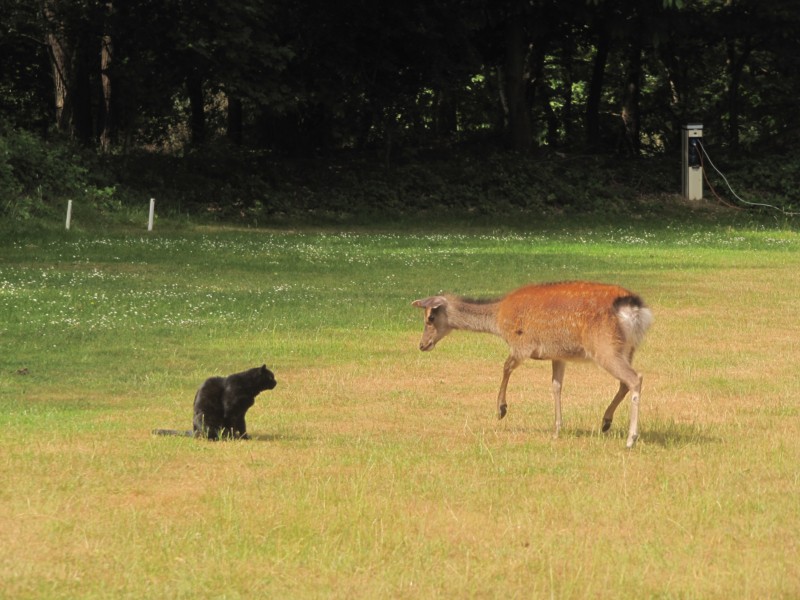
(569, 321)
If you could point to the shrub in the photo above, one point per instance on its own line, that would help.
(35, 173)
(37, 176)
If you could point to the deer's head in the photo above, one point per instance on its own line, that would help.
(436, 322)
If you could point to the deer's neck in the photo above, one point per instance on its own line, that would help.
(472, 315)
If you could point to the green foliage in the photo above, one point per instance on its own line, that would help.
(774, 179)
(257, 189)
(38, 176)
(229, 184)
(300, 77)
(33, 172)
(8, 183)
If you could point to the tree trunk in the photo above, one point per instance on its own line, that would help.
(106, 56)
(596, 88)
(736, 66)
(71, 64)
(197, 116)
(540, 91)
(631, 116)
(234, 120)
(446, 114)
(676, 78)
(59, 52)
(81, 92)
(519, 119)
(568, 65)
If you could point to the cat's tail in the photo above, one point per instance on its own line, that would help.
(172, 432)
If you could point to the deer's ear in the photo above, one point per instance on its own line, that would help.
(432, 302)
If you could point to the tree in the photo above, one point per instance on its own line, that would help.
(72, 33)
(602, 32)
(517, 84)
(24, 65)
(304, 78)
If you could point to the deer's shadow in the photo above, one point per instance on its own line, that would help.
(666, 435)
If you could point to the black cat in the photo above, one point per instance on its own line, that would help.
(221, 403)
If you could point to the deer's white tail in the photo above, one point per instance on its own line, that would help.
(634, 318)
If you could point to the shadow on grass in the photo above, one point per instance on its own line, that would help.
(258, 437)
(666, 435)
(673, 435)
(276, 437)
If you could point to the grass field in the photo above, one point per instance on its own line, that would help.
(378, 471)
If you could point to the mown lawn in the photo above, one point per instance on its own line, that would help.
(376, 470)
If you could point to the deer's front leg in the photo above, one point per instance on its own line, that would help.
(511, 364)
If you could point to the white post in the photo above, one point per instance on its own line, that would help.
(152, 213)
(69, 213)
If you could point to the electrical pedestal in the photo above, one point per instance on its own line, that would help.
(691, 163)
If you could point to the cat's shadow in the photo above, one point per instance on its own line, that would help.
(275, 437)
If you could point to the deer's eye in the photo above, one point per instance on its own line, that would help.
(431, 318)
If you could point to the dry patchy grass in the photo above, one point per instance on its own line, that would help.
(379, 471)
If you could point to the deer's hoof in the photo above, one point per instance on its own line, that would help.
(606, 425)
(501, 411)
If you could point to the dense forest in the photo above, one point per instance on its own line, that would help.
(227, 99)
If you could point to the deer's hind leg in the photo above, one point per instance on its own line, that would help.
(629, 380)
(608, 417)
(559, 367)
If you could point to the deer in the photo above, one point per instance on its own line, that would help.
(560, 322)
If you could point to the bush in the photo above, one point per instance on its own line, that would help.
(38, 176)
(34, 174)
(229, 183)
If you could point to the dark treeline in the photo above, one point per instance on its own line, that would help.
(302, 78)
(219, 106)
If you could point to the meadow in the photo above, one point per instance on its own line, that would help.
(375, 470)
